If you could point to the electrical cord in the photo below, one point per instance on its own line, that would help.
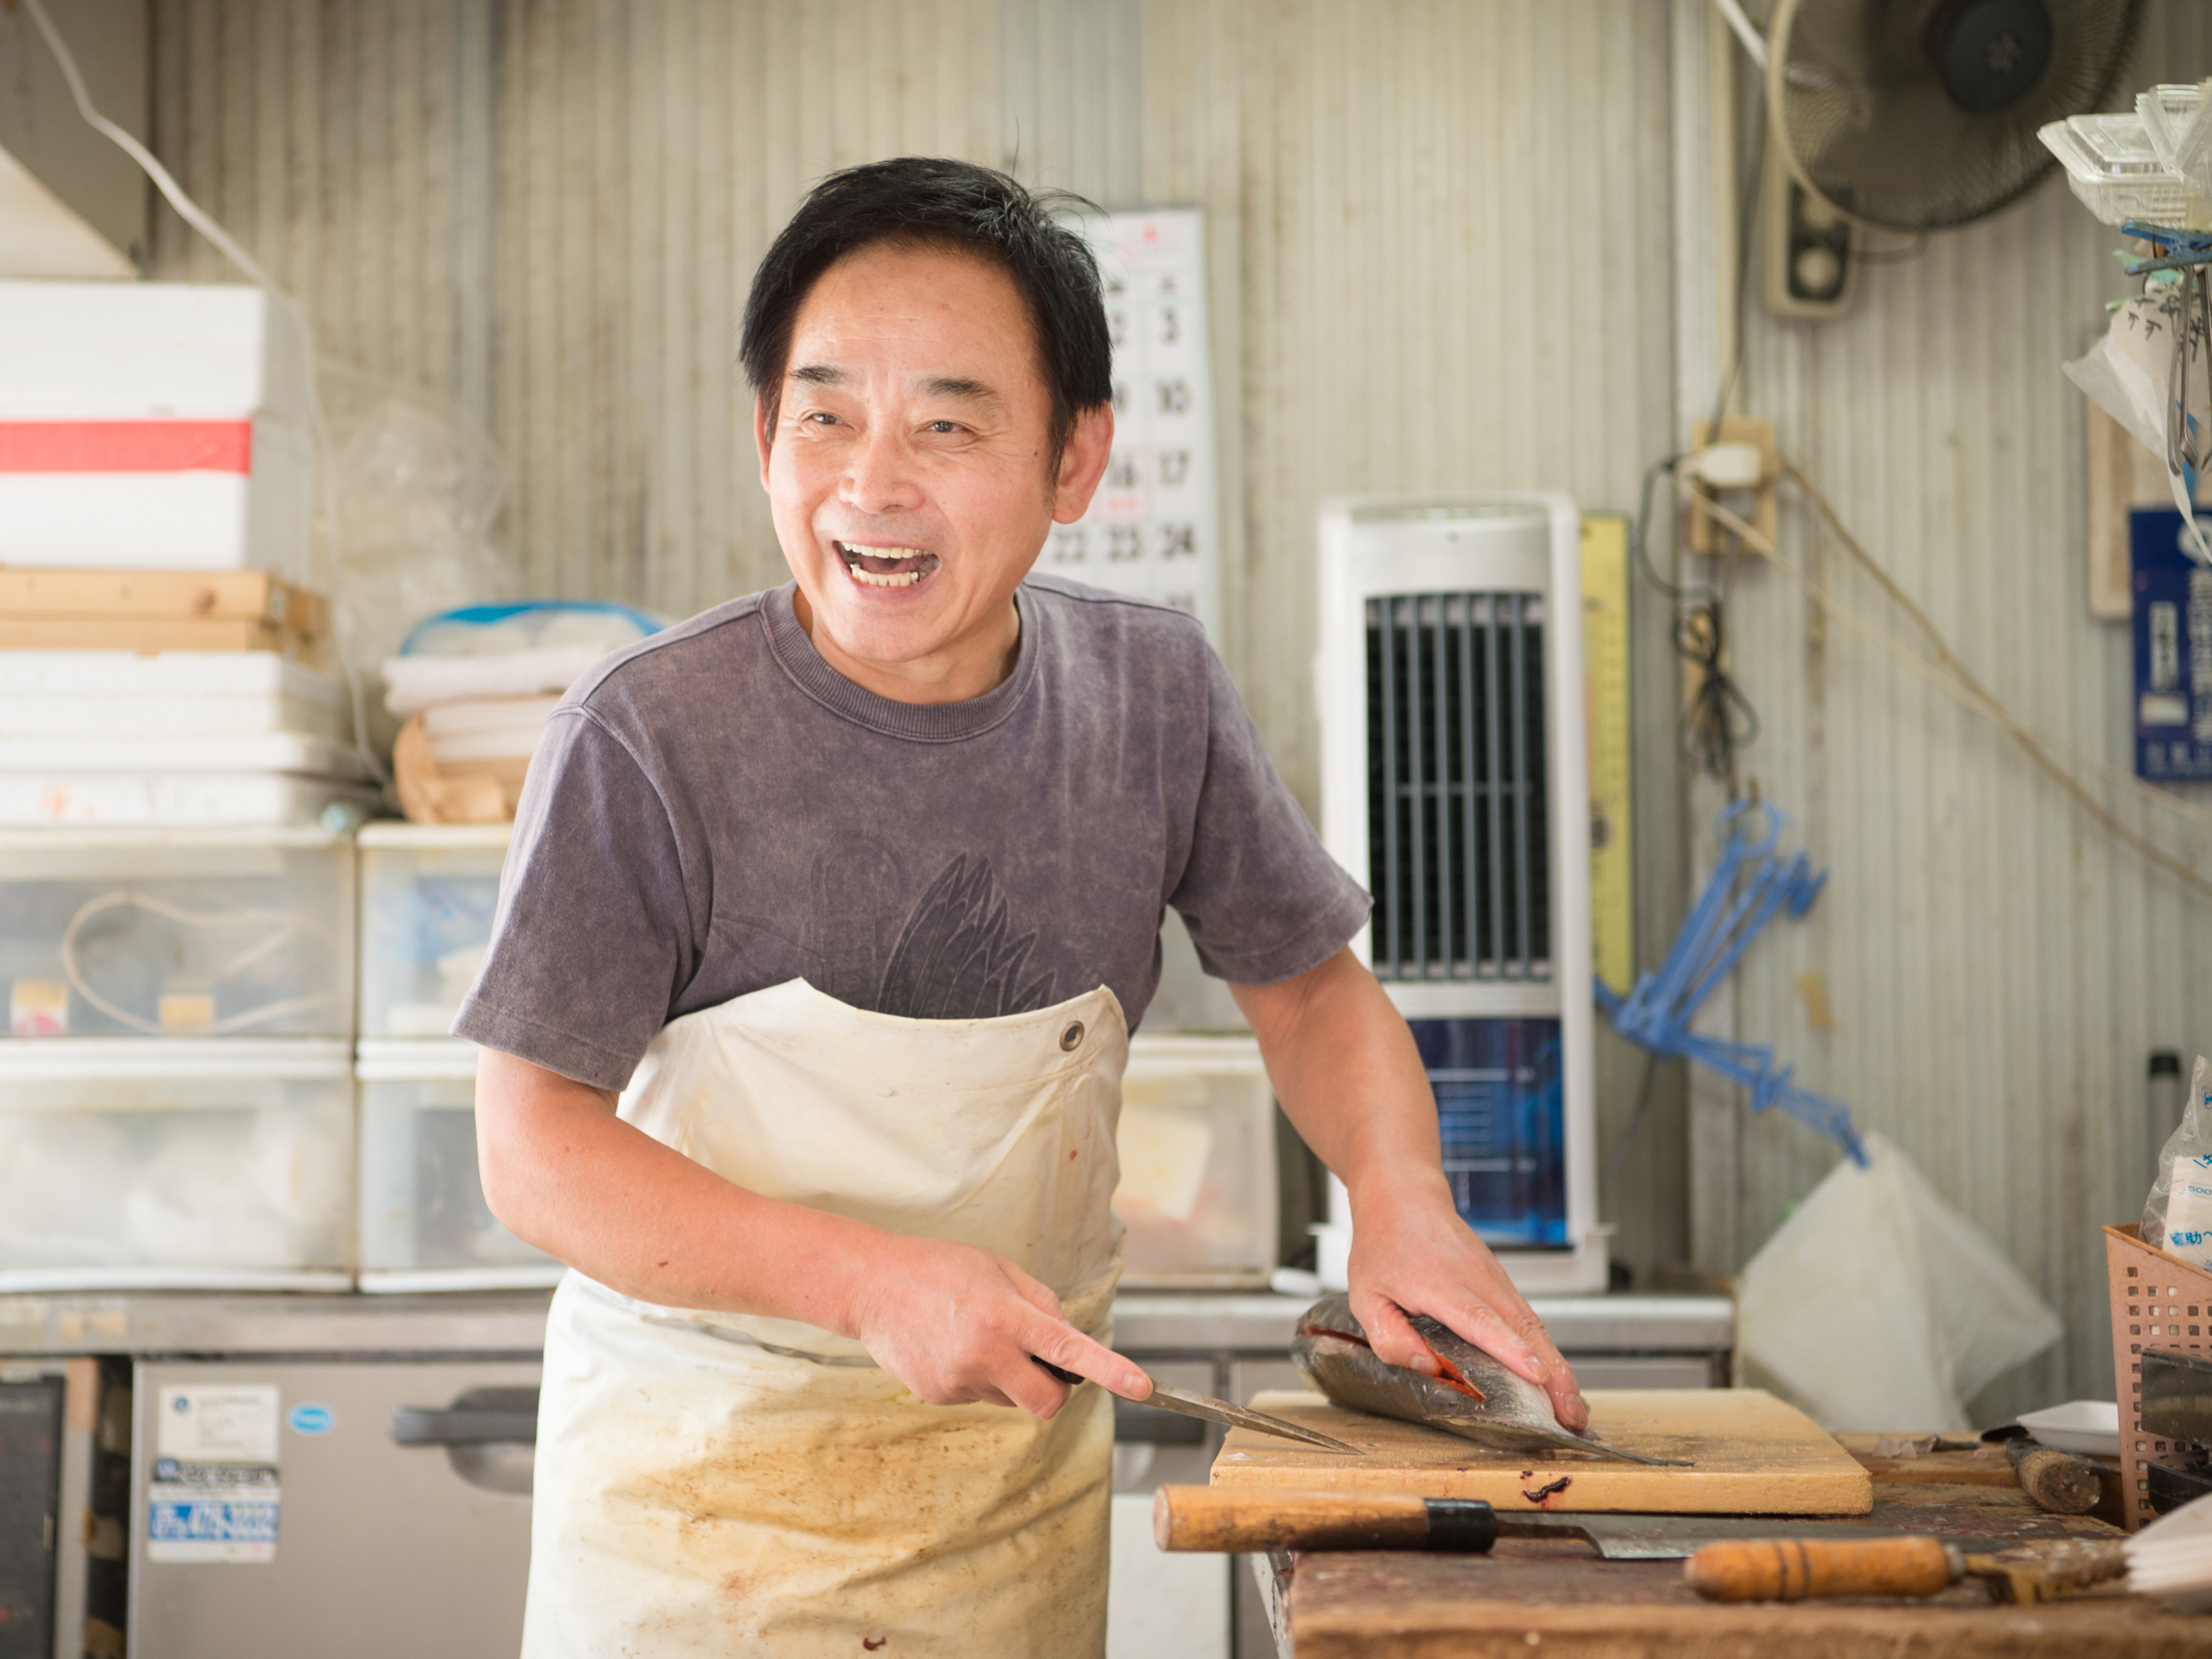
(205, 222)
(1718, 720)
(283, 925)
(1947, 674)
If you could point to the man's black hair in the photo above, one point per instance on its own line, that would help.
(929, 202)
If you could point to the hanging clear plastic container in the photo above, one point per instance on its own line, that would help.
(2112, 165)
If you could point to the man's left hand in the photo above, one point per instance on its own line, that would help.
(1410, 1254)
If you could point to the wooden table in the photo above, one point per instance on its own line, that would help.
(1546, 1600)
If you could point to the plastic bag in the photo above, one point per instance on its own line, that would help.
(1877, 1307)
(2177, 1216)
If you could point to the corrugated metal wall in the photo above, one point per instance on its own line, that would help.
(548, 209)
(1998, 966)
(1440, 237)
(1440, 246)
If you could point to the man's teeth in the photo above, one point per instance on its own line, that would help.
(858, 559)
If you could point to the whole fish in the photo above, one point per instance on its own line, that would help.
(1475, 1398)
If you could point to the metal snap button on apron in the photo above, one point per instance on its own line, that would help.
(1071, 1037)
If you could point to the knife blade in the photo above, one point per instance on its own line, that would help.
(1180, 1400)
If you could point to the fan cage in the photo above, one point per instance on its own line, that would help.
(1863, 122)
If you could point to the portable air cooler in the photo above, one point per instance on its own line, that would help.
(1455, 785)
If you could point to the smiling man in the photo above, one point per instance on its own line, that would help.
(828, 914)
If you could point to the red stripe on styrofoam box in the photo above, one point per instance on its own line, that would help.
(126, 445)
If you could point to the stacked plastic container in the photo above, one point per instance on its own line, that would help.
(176, 935)
(1197, 1142)
(428, 896)
(176, 1103)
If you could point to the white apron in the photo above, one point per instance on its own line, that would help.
(714, 1483)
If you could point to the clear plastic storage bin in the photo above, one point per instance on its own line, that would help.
(1197, 1146)
(424, 1226)
(177, 932)
(224, 1165)
(428, 896)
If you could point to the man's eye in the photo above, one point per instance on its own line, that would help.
(820, 418)
(943, 426)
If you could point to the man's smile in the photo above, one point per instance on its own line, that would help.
(886, 566)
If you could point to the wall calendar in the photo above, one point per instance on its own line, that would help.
(1152, 528)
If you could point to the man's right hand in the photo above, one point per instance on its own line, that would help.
(958, 1324)
(950, 1322)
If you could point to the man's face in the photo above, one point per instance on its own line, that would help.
(909, 471)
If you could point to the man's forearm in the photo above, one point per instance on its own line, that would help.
(1345, 1068)
(562, 1172)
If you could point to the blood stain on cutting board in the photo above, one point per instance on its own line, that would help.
(1747, 1452)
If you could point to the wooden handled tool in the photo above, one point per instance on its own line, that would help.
(1806, 1569)
(1241, 1522)
(2057, 1480)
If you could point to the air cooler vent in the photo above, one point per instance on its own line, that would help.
(1458, 818)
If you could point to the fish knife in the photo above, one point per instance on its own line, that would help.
(1251, 1520)
(1217, 1411)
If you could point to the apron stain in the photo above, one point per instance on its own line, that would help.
(872, 1643)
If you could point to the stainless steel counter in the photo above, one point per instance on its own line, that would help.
(1145, 1322)
(514, 1322)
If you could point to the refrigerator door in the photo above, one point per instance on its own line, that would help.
(274, 1513)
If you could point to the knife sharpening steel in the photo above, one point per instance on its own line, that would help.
(1455, 787)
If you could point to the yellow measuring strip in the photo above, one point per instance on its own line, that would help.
(1605, 697)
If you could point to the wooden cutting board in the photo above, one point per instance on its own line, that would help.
(1749, 1454)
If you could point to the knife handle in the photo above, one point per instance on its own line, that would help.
(1245, 1522)
(1060, 1373)
(1806, 1568)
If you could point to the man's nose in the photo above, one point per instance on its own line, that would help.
(879, 472)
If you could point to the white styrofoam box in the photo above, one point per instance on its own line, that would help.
(169, 799)
(1197, 1149)
(175, 1165)
(233, 751)
(178, 933)
(89, 349)
(134, 498)
(428, 896)
(165, 675)
(424, 1226)
(82, 717)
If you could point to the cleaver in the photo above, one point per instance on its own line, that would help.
(1241, 1520)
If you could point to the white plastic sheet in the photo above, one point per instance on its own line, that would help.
(1880, 1308)
(2130, 374)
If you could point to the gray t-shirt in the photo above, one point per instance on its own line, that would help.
(716, 811)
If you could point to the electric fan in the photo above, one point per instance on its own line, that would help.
(1914, 115)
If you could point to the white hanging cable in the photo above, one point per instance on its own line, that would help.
(1755, 43)
(205, 222)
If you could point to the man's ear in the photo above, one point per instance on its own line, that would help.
(762, 438)
(1082, 464)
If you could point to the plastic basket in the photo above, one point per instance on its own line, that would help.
(2157, 1302)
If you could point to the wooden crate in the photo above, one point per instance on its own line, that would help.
(153, 610)
(2159, 1303)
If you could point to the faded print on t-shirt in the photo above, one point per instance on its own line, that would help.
(715, 810)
